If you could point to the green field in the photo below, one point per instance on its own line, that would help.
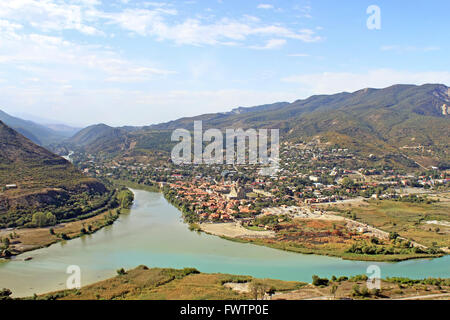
(409, 220)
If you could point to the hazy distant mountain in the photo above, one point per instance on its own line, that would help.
(42, 180)
(38, 133)
(65, 130)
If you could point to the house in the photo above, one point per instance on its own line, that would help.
(11, 186)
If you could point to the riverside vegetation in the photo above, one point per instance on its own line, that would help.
(49, 231)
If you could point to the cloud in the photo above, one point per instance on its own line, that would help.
(159, 20)
(195, 32)
(56, 59)
(271, 44)
(302, 55)
(51, 15)
(334, 82)
(406, 49)
(265, 6)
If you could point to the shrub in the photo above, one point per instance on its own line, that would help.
(5, 294)
(319, 281)
(393, 235)
(121, 272)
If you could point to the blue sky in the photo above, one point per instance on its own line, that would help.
(131, 62)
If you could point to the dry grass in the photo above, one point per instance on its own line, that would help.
(408, 220)
(143, 283)
(344, 290)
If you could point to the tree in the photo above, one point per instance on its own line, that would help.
(5, 293)
(50, 219)
(333, 290)
(347, 182)
(355, 290)
(41, 219)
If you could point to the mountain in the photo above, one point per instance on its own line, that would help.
(265, 107)
(42, 181)
(99, 137)
(219, 120)
(405, 125)
(426, 100)
(39, 134)
(386, 121)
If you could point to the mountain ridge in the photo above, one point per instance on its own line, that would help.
(369, 120)
(40, 134)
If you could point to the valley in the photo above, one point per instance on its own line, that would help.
(361, 177)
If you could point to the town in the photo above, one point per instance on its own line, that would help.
(314, 181)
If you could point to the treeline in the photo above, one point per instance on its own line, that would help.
(428, 281)
(125, 198)
(66, 208)
(398, 246)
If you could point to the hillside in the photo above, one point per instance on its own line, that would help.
(39, 134)
(43, 182)
(98, 138)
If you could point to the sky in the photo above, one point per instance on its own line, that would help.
(132, 62)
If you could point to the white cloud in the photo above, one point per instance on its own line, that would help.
(302, 55)
(405, 49)
(334, 82)
(50, 15)
(265, 6)
(56, 59)
(271, 44)
(193, 31)
(154, 19)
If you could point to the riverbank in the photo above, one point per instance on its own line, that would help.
(31, 239)
(28, 239)
(236, 232)
(233, 230)
(134, 185)
(331, 252)
(143, 283)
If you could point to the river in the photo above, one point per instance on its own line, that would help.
(154, 235)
